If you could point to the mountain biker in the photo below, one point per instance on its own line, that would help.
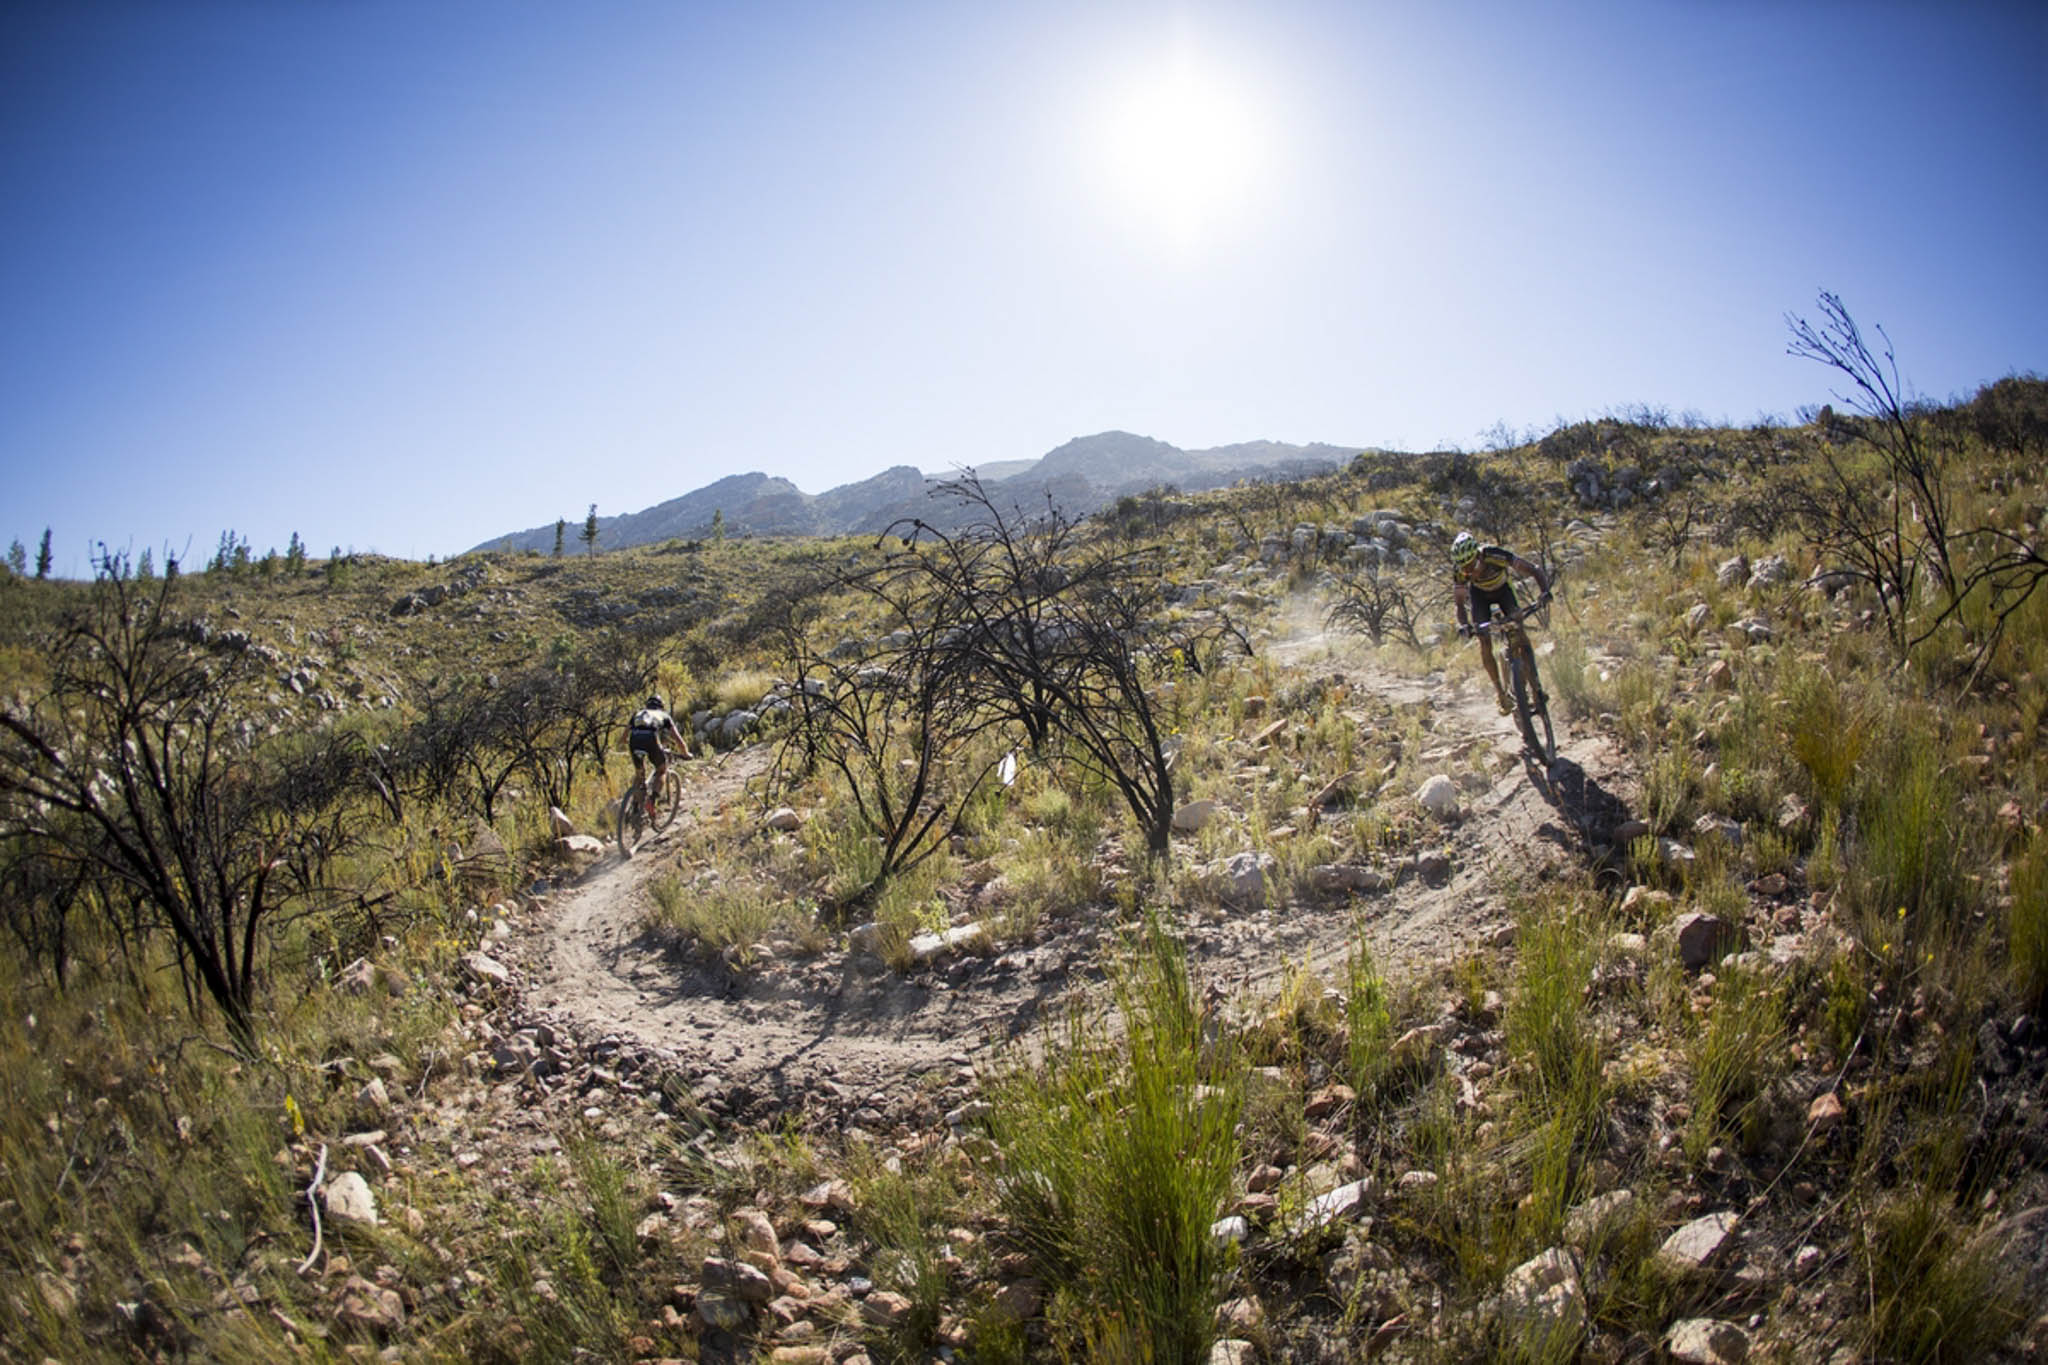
(1479, 583)
(644, 734)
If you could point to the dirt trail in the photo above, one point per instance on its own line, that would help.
(835, 1034)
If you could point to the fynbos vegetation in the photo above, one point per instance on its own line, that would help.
(1126, 938)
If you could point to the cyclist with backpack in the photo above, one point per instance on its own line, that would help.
(644, 733)
(1479, 583)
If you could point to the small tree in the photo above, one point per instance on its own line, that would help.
(295, 556)
(891, 724)
(43, 556)
(148, 769)
(1373, 600)
(1879, 509)
(718, 526)
(17, 558)
(145, 567)
(561, 529)
(1062, 636)
(590, 531)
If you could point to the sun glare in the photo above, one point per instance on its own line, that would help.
(1181, 149)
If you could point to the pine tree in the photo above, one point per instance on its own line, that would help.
(17, 558)
(43, 556)
(590, 531)
(295, 556)
(718, 526)
(561, 525)
(145, 567)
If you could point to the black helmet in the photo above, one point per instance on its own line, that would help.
(654, 704)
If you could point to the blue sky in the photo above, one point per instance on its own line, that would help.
(405, 276)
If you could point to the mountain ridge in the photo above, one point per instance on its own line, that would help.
(1082, 476)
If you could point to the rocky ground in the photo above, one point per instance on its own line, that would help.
(580, 1024)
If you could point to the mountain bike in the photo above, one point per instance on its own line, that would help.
(635, 824)
(1532, 707)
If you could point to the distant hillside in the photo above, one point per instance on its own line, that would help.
(1082, 476)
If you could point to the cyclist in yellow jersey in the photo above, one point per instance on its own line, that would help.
(1480, 582)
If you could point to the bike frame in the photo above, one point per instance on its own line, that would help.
(1522, 683)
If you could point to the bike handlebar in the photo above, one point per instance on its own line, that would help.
(1513, 618)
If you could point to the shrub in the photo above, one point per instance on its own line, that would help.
(1117, 1155)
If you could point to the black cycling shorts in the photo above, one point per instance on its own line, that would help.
(645, 742)
(1483, 602)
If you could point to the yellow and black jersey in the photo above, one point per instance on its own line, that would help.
(1488, 572)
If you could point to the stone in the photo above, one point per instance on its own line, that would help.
(1542, 1304)
(927, 948)
(1703, 939)
(1343, 1202)
(722, 1311)
(1193, 816)
(1643, 901)
(1732, 571)
(1242, 879)
(559, 823)
(1244, 1314)
(1439, 796)
(756, 1235)
(1770, 571)
(1628, 831)
(1598, 1219)
(885, 1308)
(864, 938)
(1420, 1046)
(581, 845)
(1231, 1351)
(1706, 1341)
(348, 1196)
(370, 1307)
(783, 820)
(1710, 827)
(747, 1283)
(1632, 946)
(1328, 1101)
(1021, 1298)
(1720, 676)
(1697, 618)
(1826, 1113)
(1698, 1246)
(486, 969)
(1333, 878)
(831, 1194)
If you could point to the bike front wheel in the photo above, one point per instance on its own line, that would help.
(1532, 714)
(632, 826)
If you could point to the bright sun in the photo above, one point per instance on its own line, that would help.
(1182, 149)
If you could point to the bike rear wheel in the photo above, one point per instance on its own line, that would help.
(668, 798)
(632, 818)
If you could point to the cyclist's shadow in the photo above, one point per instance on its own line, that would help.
(1588, 808)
